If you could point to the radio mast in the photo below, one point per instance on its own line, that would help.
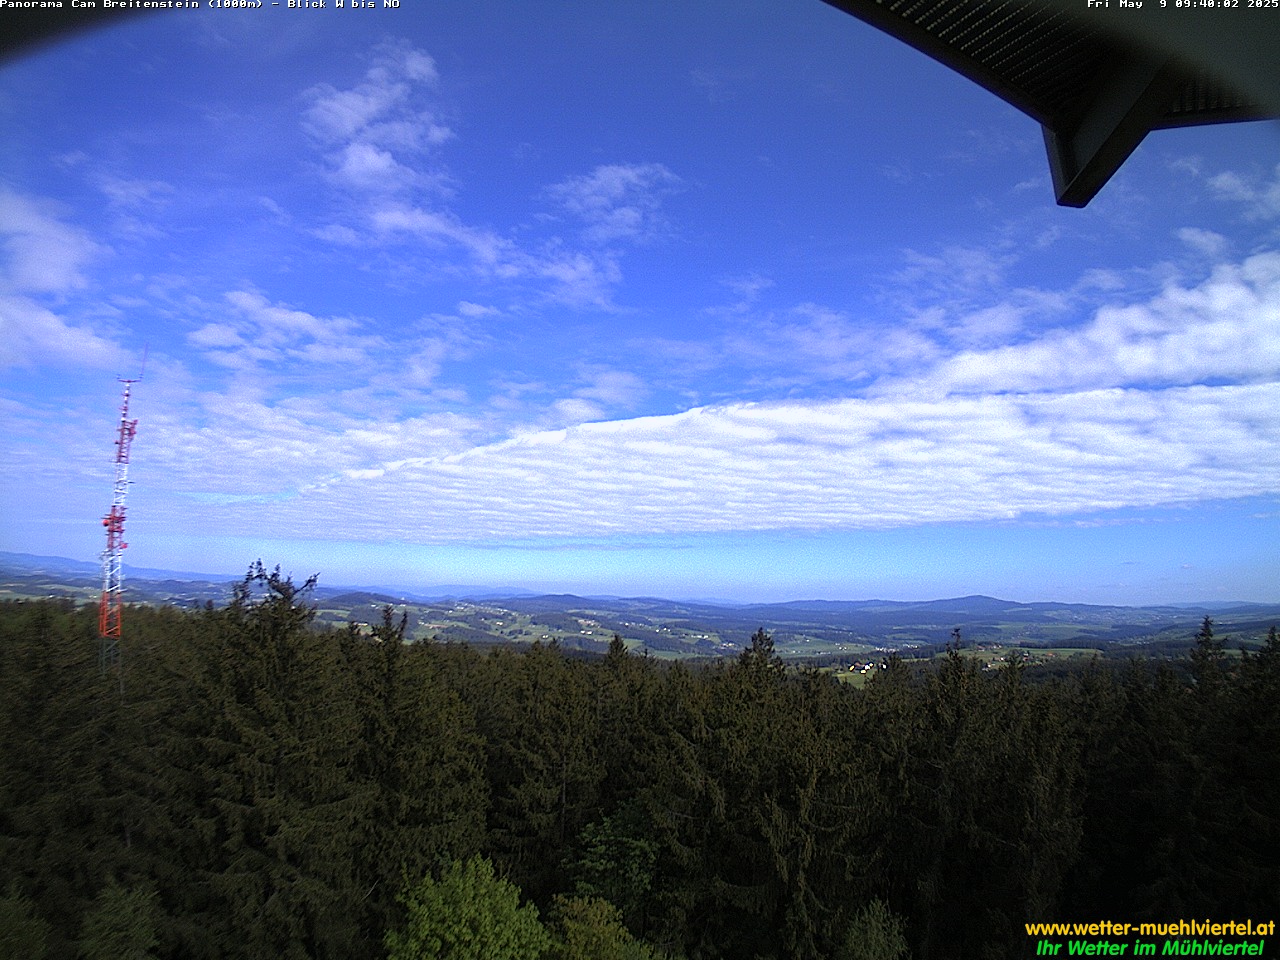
(112, 604)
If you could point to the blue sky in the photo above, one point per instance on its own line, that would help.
(625, 298)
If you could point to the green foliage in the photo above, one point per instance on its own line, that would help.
(618, 861)
(64, 733)
(269, 793)
(468, 914)
(1207, 655)
(275, 782)
(875, 933)
(415, 776)
(591, 929)
(23, 933)
(759, 658)
(536, 714)
(121, 925)
(1206, 642)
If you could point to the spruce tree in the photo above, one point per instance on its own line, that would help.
(122, 925)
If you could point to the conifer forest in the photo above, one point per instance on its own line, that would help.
(251, 784)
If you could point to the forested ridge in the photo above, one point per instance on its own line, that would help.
(259, 787)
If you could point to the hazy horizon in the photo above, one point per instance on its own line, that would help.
(605, 299)
(507, 590)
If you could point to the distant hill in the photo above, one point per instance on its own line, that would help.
(30, 563)
(811, 629)
(145, 578)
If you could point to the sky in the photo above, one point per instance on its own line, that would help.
(631, 299)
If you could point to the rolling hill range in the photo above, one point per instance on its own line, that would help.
(817, 629)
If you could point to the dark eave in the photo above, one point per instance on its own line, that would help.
(1098, 78)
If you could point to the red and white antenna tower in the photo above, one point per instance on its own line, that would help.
(111, 606)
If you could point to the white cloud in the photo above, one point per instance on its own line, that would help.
(1205, 242)
(235, 443)
(343, 114)
(44, 255)
(998, 323)
(277, 323)
(1226, 328)
(339, 235)
(844, 464)
(217, 336)
(380, 143)
(257, 332)
(32, 335)
(468, 309)
(748, 288)
(486, 248)
(614, 388)
(604, 390)
(800, 348)
(815, 343)
(577, 410)
(962, 296)
(379, 132)
(127, 194)
(620, 201)
(1133, 409)
(422, 366)
(576, 278)
(1260, 195)
(954, 273)
(367, 167)
(382, 99)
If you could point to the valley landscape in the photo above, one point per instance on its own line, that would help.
(824, 632)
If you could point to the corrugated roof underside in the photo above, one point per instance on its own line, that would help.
(1203, 98)
(1042, 58)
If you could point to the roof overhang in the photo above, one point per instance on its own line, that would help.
(1098, 75)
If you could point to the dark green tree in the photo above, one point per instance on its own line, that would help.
(1272, 646)
(759, 658)
(1207, 655)
(65, 735)
(623, 689)
(617, 862)
(122, 925)
(978, 804)
(535, 712)
(415, 775)
(261, 845)
(23, 932)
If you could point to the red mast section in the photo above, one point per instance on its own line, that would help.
(111, 606)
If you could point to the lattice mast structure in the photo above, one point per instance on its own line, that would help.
(111, 606)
